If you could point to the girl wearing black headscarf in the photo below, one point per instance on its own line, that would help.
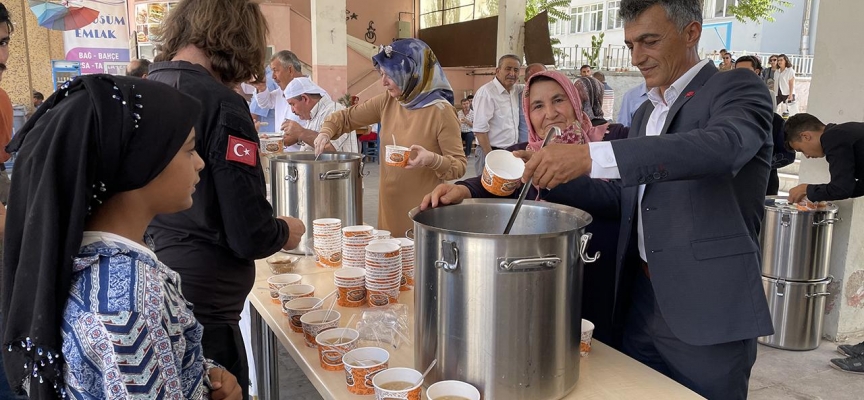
(89, 311)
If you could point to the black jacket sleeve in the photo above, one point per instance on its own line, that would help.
(251, 230)
(840, 155)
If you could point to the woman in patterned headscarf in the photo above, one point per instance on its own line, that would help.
(551, 100)
(591, 91)
(417, 112)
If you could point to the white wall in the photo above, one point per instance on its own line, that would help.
(835, 96)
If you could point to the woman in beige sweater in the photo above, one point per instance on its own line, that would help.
(418, 111)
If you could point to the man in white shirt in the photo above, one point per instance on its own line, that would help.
(690, 182)
(496, 110)
(311, 104)
(286, 66)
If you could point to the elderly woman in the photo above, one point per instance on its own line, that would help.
(551, 100)
(417, 112)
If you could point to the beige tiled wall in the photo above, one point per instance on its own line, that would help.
(31, 50)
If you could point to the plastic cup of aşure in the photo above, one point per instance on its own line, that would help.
(297, 307)
(398, 383)
(314, 323)
(442, 389)
(276, 282)
(587, 333)
(329, 352)
(361, 366)
(502, 172)
(397, 156)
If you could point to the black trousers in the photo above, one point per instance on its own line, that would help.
(223, 344)
(720, 371)
(773, 183)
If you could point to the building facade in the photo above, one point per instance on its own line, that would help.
(720, 30)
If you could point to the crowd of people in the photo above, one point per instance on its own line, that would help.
(137, 197)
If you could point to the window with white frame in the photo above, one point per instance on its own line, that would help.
(443, 12)
(586, 18)
(717, 8)
(558, 28)
(613, 21)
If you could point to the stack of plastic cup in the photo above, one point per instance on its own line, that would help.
(350, 286)
(407, 264)
(383, 273)
(381, 234)
(328, 242)
(354, 241)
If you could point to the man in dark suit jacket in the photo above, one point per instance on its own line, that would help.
(842, 145)
(693, 175)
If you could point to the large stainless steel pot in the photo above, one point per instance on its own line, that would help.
(501, 312)
(796, 244)
(331, 187)
(797, 311)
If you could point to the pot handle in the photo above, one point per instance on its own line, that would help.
(827, 221)
(547, 262)
(811, 295)
(410, 234)
(292, 174)
(583, 246)
(363, 169)
(334, 174)
(451, 263)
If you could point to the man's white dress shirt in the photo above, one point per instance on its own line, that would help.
(605, 166)
(496, 111)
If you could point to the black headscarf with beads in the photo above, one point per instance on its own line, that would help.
(97, 136)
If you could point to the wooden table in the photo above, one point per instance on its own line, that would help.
(604, 374)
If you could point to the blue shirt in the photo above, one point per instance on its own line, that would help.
(523, 126)
(267, 115)
(631, 102)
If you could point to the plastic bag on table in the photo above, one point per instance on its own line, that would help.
(384, 326)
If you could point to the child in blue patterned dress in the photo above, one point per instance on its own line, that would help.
(90, 311)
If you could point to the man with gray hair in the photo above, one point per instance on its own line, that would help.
(690, 181)
(496, 110)
(286, 66)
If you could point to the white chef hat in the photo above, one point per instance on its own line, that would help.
(302, 85)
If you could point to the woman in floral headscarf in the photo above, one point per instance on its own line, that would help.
(591, 91)
(551, 100)
(417, 112)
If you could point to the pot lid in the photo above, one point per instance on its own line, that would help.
(780, 203)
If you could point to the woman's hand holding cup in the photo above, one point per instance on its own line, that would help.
(424, 157)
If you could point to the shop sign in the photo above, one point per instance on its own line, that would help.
(106, 40)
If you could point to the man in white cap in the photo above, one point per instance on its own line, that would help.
(312, 105)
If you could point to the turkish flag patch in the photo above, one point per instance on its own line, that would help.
(242, 151)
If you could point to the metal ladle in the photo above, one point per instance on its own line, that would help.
(553, 131)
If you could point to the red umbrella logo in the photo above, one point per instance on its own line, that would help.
(61, 16)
